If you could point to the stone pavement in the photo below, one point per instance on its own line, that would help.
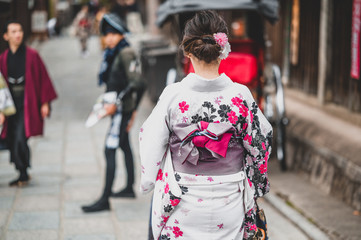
(308, 201)
(68, 166)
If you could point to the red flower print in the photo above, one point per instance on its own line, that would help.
(236, 101)
(160, 175)
(165, 219)
(141, 130)
(174, 202)
(183, 106)
(267, 156)
(251, 115)
(243, 110)
(245, 126)
(263, 168)
(232, 117)
(249, 182)
(220, 226)
(210, 179)
(177, 232)
(166, 189)
(263, 146)
(248, 138)
(176, 221)
(253, 228)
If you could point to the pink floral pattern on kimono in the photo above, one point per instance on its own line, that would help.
(226, 102)
(183, 106)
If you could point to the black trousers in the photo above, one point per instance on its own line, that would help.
(110, 156)
(17, 141)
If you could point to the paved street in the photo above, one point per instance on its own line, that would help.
(68, 166)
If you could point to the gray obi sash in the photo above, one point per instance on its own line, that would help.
(206, 148)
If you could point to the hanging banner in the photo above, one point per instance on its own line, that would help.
(295, 32)
(355, 39)
(38, 21)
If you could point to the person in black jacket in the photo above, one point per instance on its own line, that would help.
(118, 72)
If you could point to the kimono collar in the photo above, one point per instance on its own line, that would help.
(200, 84)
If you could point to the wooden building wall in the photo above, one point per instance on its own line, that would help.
(340, 87)
(18, 10)
(5, 13)
(21, 12)
(304, 74)
(275, 35)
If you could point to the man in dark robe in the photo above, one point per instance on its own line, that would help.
(32, 92)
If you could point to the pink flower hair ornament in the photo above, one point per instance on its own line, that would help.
(222, 40)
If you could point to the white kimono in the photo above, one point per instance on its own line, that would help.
(205, 206)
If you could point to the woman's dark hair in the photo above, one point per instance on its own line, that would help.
(198, 35)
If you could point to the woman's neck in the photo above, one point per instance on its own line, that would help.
(205, 70)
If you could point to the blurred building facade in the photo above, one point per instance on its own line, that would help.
(32, 14)
(317, 45)
(312, 43)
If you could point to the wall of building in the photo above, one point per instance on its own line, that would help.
(299, 46)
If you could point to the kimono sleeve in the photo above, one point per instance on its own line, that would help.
(47, 91)
(257, 140)
(153, 142)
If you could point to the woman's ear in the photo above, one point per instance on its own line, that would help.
(188, 55)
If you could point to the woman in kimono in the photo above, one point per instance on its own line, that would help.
(204, 148)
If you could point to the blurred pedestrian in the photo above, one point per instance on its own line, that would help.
(82, 27)
(204, 148)
(32, 91)
(118, 72)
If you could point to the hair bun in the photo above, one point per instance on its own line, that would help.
(198, 35)
(208, 39)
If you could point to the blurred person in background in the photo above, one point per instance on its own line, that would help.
(32, 92)
(118, 72)
(82, 28)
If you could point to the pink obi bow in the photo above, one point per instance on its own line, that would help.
(212, 136)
